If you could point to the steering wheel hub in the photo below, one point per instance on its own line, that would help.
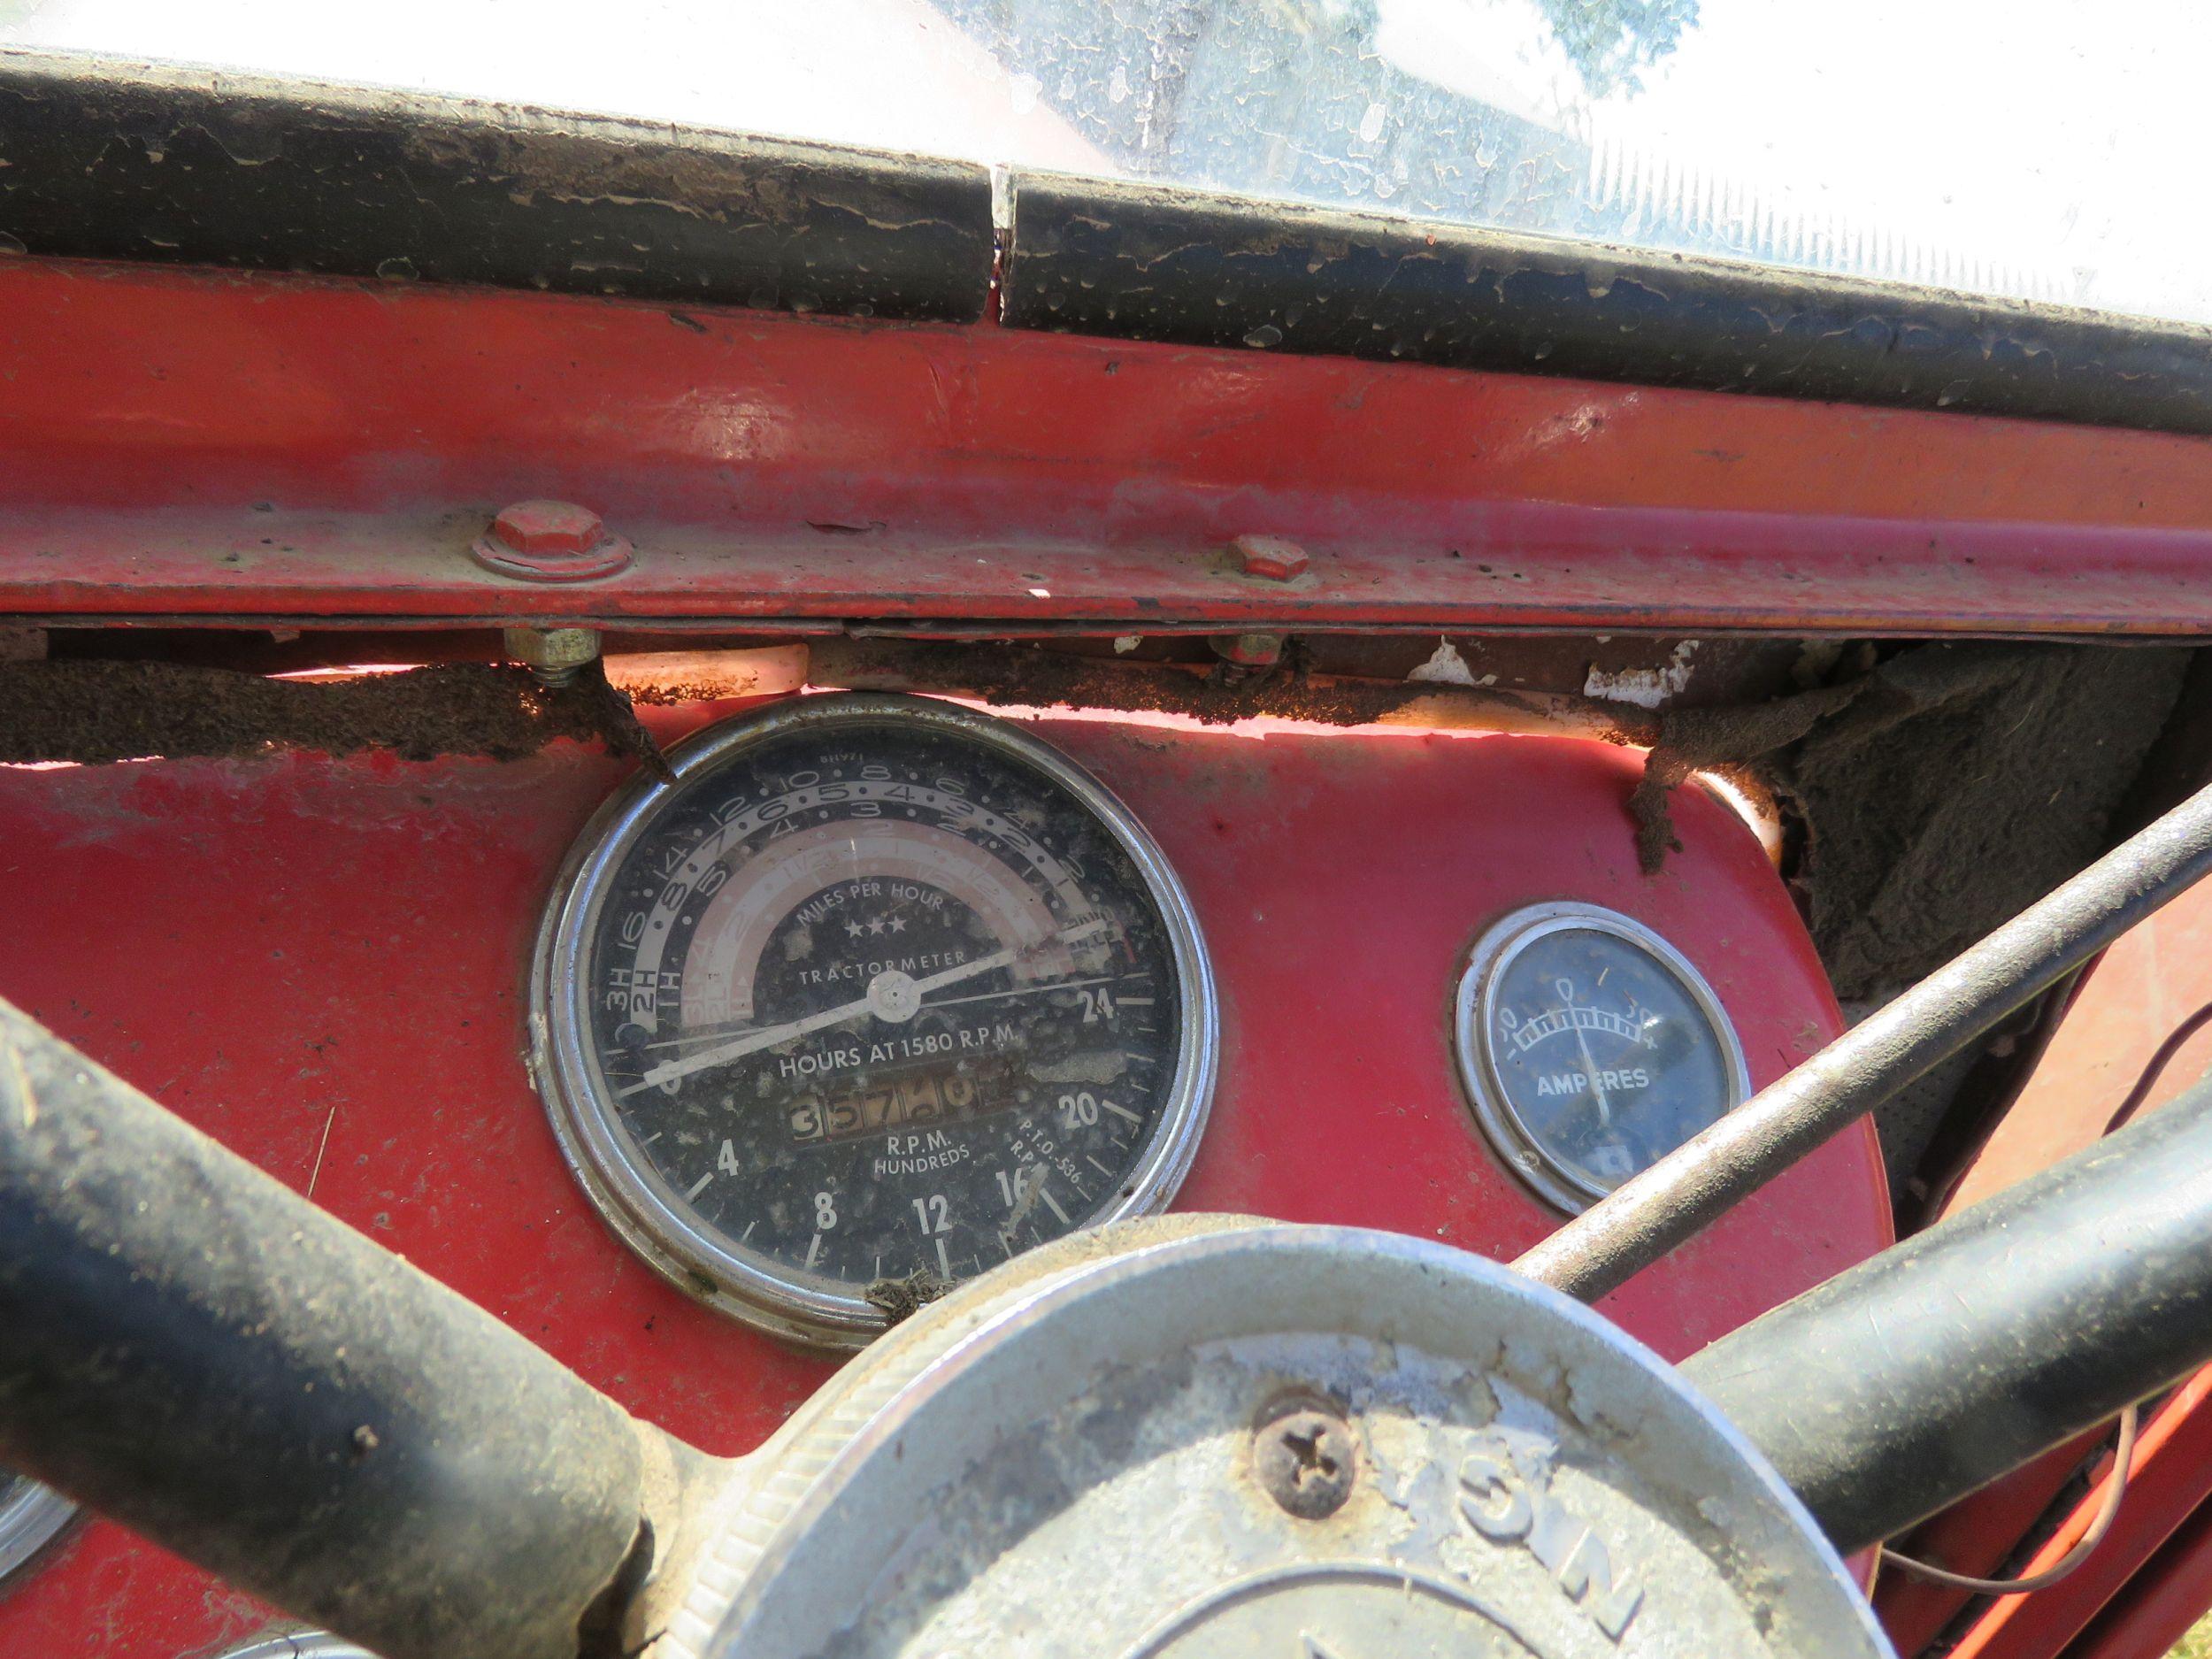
(1197, 1436)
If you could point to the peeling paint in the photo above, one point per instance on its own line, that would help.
(1446, 667)
(1646, 688)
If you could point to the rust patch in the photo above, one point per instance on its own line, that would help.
(1220, 695)
(98, 712)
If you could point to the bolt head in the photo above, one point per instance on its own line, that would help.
(553, 655)
(548, 527)
(1249, 650)
(1304, 1457)
(550, 542)
(1269, 557)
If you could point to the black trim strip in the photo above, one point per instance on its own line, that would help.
(1141, 262)
(135, 161)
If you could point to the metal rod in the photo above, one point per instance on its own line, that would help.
(1908, 1382)
(189, 1347)
(1685, 1191)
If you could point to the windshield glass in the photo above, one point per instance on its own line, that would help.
(2030, 152)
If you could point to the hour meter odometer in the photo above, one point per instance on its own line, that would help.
(875, 994)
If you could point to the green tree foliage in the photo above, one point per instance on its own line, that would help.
(1610, 41)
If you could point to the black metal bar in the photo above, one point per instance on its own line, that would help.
(110, 160)
(1908, 1382)
(1607, 1244)
(1147, 262)
(188, 1346)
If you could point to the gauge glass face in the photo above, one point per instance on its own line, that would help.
(871, 1002)
(1599, 1049)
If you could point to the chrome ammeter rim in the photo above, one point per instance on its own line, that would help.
(875, 994)
(31, 1516)
(306, 1644)
(1589, 1047)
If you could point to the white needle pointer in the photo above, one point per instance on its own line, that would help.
(891, 995)
(1605, 1107)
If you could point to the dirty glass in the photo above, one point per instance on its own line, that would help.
(2032, 151)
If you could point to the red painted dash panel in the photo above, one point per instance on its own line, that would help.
(322, 962)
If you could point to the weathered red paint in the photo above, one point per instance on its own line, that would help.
(197, 446)
(779, 470)
(2157, 1606)
(321, 963)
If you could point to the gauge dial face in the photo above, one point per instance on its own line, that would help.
(1591, 1048)
(877, 993)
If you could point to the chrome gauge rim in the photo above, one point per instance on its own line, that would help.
(30, 1515)
(645, 1211)
(1475, 1008)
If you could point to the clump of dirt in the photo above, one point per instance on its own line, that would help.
(1719, 739)
(1942, 793)
(901, 1299)
(97, 710)
(1219, 695)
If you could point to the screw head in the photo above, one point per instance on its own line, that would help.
(1304, 1457)
(550, 542)
(1269, 557)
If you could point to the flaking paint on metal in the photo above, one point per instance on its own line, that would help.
(1123, 467)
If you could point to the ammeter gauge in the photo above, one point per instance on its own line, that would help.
(875, 994)
(1590, 1048)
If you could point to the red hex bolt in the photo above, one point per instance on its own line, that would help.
(550, 542)
(1269, 557)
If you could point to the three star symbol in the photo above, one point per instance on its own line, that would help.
(897, 924)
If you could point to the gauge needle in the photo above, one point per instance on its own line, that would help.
(908, 993)
(1590, 1069)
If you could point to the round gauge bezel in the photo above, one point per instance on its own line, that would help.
(650, 1214)
(29, 1521)
(302, 1644)
(1521, 1149)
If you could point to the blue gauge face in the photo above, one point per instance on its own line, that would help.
(1597, 1053)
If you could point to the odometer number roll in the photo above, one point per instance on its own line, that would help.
(875, 994)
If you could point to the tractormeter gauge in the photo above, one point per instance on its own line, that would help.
(876, 992)
(1590, 1048)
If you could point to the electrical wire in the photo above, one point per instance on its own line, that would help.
(2167, 1050)
(2124, 1452)
(2107, 1512)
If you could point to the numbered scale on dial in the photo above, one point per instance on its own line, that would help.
(875, 994)
(1590, 1048)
